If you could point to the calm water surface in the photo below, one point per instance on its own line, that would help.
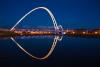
(68, 52)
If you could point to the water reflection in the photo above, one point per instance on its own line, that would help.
(70, 50)
(56, 39)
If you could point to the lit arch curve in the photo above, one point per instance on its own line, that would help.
(54, 41)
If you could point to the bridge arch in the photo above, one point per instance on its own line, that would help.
(44, 8)
(56, 39)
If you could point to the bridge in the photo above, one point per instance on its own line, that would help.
(58, 33)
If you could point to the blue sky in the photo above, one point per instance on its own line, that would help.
(68, 13)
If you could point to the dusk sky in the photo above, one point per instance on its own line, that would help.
(68, 13)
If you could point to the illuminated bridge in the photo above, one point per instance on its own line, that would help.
(58, 32)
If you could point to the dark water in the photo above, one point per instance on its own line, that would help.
(69, 52)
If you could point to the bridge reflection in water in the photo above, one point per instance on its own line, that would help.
(58, 33)
(46, 33)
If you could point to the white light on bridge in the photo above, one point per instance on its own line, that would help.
(96, 32)
(84, 32)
